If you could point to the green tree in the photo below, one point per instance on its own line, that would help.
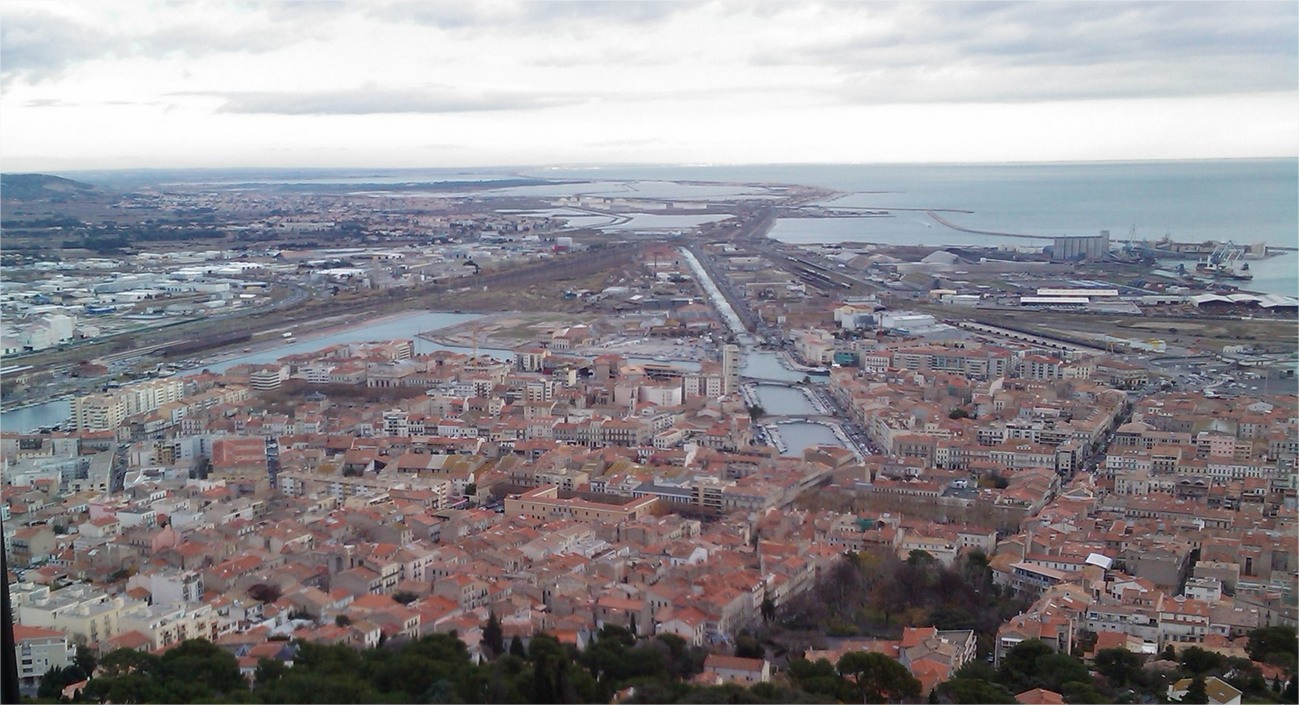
(197, 668)
(493, 637)
(268, 670)
(1079, 692)
(1119, 666)
(1055, 670)
(265, 592)
(878, 678)
(756, 412)
(1018, 670)
(1276, 645)
(311, 687)
(1034, 664)
(516, 647)
(972, 691)
(1196, 693)
(768, 609)
(1200, 661)
(124, 661)
(126, 676)
(85, 660)
(442, 691)
(819, 678)
(405, 597)
(748, 647)
(919, 557)
(57, 678)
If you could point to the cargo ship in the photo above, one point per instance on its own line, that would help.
(1222, 264)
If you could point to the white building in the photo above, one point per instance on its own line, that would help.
(38, 650)
(906, 320)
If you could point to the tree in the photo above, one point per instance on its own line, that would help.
(404, 597)
(264, 592)
(972, 690)
(748, 647)
(1200, 661)
(493, 637)
(1276, 645)
(85, 660)
(958, 413)
(1196, 694)
(125, 661)
(268, 670)
(878, 678)
(342, 620)
(919, 557)
(756, 412)
(1079, 692)
(1034, 664)
(197, 668)
(516, 647)
(1055, 670)
(56, 679)
(768, 609)
(818, 678)
(1119, 666)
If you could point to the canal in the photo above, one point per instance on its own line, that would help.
(778, 400)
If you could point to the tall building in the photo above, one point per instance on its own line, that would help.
(730, 368)
(98, 412)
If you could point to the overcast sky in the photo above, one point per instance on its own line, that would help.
(473, 83)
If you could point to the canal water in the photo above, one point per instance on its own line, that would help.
(783, 401)
(799, 436)
(33, 417)
(764, 364)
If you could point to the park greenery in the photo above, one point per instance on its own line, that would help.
(864, 595)
(873, 595)
(438, 669)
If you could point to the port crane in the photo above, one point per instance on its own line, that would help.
(1222, 263)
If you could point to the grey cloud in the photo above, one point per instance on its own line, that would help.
(1049, 50)
(610, 57)
(49, 103)
(57, 103)
(619, 11)
(373, 101)
(535, 14)
(37, 46)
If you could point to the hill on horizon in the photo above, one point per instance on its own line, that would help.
(43, 187)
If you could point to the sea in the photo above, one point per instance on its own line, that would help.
(1244, 201)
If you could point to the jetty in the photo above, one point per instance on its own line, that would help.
(943, 221)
